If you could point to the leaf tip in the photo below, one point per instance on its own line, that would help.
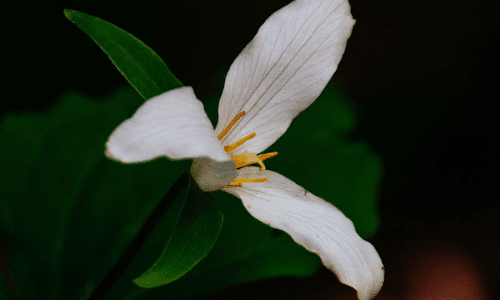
(143, 282)
(68, 13)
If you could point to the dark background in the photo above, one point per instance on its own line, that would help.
(422, 76)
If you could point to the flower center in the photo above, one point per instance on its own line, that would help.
(245, 158)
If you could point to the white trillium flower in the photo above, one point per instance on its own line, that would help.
(278, 75)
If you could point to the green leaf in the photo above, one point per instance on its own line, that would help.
(169, 208)
(140, 65)
(245, 250)
(68, 213)
(195, 235)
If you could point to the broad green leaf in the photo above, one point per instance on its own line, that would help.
(68, 213)
(165, 215)
(47, 239)
(140, 65)
(195, 235)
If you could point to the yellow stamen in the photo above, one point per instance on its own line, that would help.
(245, 159)
(233, 146)
(238, 181)
(267, 155)
(226, 130)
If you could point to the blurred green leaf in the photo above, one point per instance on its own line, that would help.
(195, 235)
(140, 65)
(317, 153)
(68, 213)
(65, 208)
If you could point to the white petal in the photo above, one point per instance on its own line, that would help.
(283, 70)
(172, 124)
(315, 224)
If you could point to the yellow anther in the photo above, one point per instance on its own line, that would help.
(235, 145)
(226, 130)
(238, 181)
(245, 159)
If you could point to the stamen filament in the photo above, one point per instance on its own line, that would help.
(267, 155)
(235, 145)
(237, 182)
(226, 130)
